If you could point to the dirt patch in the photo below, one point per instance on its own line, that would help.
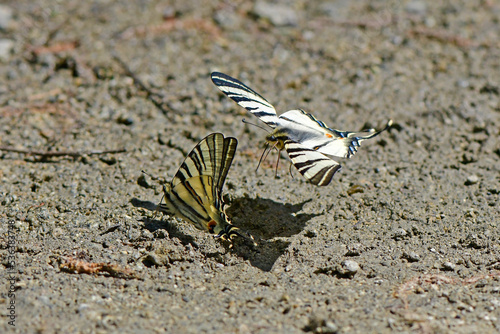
(405, 238)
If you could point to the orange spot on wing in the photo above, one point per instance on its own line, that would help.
(329, 135)
(211, 225)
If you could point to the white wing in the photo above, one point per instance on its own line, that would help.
(314, 166)
(304, 128)
(246, 97)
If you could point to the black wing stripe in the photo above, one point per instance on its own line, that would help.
(222, 80)
(185, 208)
(246, 97)
(314, 166)
(195, 191)
(229, 150)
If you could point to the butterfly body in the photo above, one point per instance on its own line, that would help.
(195, 192)
(308, 141)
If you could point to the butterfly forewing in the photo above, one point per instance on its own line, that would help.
(246, 97)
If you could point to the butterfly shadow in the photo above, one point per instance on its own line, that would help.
(153, 225)
(264, 219)
(268, 221)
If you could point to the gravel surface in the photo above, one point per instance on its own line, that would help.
(404, 239)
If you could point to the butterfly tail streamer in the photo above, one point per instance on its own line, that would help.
(354, 140)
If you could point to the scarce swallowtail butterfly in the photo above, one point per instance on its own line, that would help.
(195, 192)
(307, 140)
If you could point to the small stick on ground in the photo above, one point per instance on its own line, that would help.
(446, 37)
(407, 287)
(48, 154)
(74, 266)
(155, 98)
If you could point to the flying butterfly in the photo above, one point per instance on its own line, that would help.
(308, 141)
(195, 192)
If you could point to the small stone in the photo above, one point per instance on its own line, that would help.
(399, 234)
(448, 266)
(227, 18)
(472, 179)
(125, 120)
(83, 307)
(278, 15)
(161, 234)
(416, 7)
(330, 327)
(147, 235)
(157, 260)
(412, 257)
(6, 46)
(5, 16)
(350, 267)
(354, 250)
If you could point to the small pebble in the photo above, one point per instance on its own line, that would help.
(146, 234)
(412, 257)
(5, 16)
(472, 179)
(6, 46)
(463, 83)
(416, 7)
(448, 266)
(278, 15)
(399, 234)
(350, 267)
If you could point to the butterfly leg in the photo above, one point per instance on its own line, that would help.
(262, 156)
(277, 163)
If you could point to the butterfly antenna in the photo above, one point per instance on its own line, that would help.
(159, 204)
(257, 125)
(151, 176)
(262, 156)
(248, 238)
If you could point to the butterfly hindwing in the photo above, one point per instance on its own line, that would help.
(314, 166)
(304, 128)
(246, 97)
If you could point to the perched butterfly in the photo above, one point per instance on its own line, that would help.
(307, 140)
(195, 192)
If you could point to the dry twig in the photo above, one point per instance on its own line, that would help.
(155, 98)
(48, 154)
(74, 266)
(444, 36)
(411, 285)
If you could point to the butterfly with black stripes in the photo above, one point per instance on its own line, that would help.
(307, 140)
(195, 192)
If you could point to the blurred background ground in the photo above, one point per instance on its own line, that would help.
(404, 239)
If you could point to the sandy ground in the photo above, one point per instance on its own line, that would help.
(404, 239)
